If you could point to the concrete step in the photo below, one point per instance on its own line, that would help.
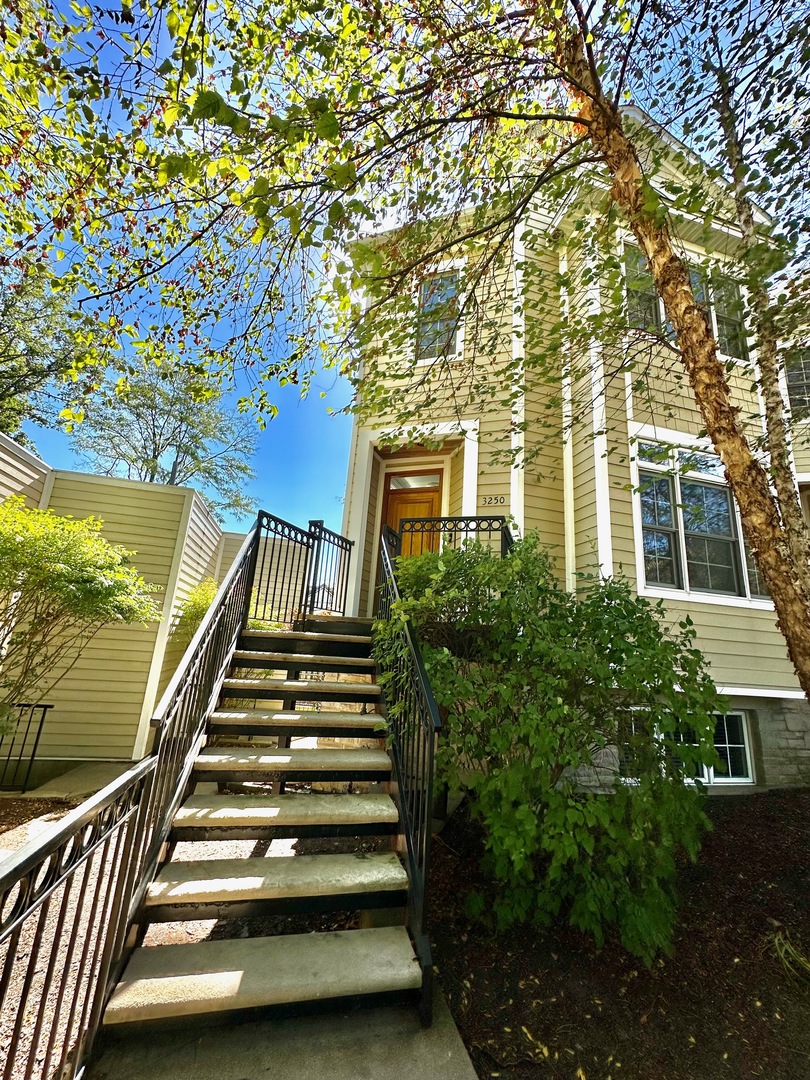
(262, 658)
(300, 690)
(299, 641)
(261, 817)
(174, 981)
(236, 888)
(340, 725)
(336, 624)
(267, 765)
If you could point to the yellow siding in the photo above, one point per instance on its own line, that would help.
(456, 489)
(369, 538)
(543, 439)
(98, 704)
(21, 472)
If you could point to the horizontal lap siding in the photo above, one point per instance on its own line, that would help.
(21, 473)
(456, 491)
(488, 385)
(543, 438)
(743, 646)
(369, 538)
(619, 479)
(197, 562)
(230, 546)
(98, 703)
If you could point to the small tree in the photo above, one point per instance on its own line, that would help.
(50, 353)
(166, 425)
(573, 723)
(60, 582)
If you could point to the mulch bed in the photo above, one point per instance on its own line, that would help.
(14, 812)
(547, 1004)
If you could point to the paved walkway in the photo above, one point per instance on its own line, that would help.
(385, 1043)
(86, 779)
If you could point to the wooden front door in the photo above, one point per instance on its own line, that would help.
(413, 495)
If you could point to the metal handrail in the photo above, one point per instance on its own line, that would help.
(71, 902)
(414, 723)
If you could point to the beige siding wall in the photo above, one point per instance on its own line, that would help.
(543, 438)
(98, 704)
(198, 560)
(21, 472)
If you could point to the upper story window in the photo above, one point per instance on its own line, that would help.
(690, 526)
(798, 383)
(437, 329)
(719, 295)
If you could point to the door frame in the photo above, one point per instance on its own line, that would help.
(355, 510)
(421, 465)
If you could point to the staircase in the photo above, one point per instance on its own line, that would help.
(250, 783)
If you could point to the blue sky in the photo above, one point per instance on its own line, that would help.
(300, 463)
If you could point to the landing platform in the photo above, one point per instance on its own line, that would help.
(385, 1043)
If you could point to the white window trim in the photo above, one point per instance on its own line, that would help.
(709, 777)
(713, 779)
(650, 433)
(696, 254)
(443, 267)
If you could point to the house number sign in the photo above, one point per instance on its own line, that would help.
(493, 500)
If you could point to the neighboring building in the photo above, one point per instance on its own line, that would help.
(103, 706)
(605, 492)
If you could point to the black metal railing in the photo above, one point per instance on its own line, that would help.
(298, 571)
(417, 535)
(414, 723)
(18, 747)
(71, 902)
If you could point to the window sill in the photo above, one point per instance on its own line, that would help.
(428, 361)
(721, 599)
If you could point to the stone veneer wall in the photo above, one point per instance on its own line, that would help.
(780, 738)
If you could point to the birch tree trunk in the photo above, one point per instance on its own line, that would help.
(748, 480)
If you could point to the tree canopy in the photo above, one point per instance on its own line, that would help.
(180, 161)
(168, 426)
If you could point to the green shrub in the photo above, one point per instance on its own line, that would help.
(60, 582)
(192, 613)
(573, 723)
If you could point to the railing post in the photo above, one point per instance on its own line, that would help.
(311, 579)
(251, 569)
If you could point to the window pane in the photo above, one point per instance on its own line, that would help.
(643, 309)
(697, 277)
(729, 311)
(660, 566)
(798, 382)
(756, 582)
(655, 453)
(706, 509)
(697, 461)
(438, 316)
(711, 564)
(729, 741)
(656, 500)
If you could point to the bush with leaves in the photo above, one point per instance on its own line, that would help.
(573, 722)
(192, 613)
(60, 582)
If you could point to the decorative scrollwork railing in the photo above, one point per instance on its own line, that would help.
(71, 902)
(414, 724)
(417, 535)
